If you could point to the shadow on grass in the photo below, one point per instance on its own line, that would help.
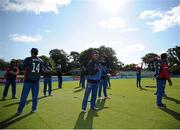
(150, 86)
(78, 90)
(54, 89)
(6, 99)
(11, 120)
(77, 87)
(87, 122)
(144, 89)
(172, 99)
(109, 88)
(176, 115)
(27, 102)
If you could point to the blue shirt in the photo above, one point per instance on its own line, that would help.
(94, 70)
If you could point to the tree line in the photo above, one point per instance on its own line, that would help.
(75, 60)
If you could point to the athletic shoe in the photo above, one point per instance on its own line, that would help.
(50, 95)
(84, 111)
(100, 98)
(107, 97)
(14, 98)
(162, 106)
(33, 111)
(18, 113)
(164, 95)
(95, 108)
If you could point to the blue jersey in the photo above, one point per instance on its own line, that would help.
(94, 70)
(104, 72)
(138, 74)
(33, 69)
(47, 71)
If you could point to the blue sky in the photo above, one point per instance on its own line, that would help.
(132, 28)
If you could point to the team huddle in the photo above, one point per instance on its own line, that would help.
(96, 73)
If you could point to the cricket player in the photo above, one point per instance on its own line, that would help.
(162, 74)
(32, 71)
(93, 79)
(11, 74)
(103, 82)
(47, 72)
(82, 77)
(138, 78)
(59, 74)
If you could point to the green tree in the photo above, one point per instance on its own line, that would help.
(174, 59)
(3, 64)
(130, 67)
(74, 59)
(48, 60)
(109, 55)
(44, 58)
(149, 60)
(85, 56)
(105, 53)
(59, 56)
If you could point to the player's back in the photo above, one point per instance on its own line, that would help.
(33, 69)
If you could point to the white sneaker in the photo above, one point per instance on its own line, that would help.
(107, 98)
(33, 111)
(95, 108)
(84, 111)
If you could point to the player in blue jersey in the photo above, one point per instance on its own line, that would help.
(103, 81)
(93, 79)
(82, 77)
(138, 78)
(47, 79)
(59, 75)
(32, 71)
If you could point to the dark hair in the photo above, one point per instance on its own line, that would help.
(12, 62)
(164, 56)
(34, 51)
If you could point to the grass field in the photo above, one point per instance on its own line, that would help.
(127, 108)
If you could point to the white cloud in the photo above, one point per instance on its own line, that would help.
(150, 14)
(113, 23)
(25, 38)
(129, 30)
(131, 48)
(161, 21)
(36, 6)
(117, 23)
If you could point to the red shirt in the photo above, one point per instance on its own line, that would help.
(164, 74)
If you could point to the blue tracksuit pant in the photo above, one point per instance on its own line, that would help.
(82, 82)
(90, 88)
(60, 80)
(138, 81)
(103, 83)
(34, 87)
(160, 91)
(47, 82)
(13, 85)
